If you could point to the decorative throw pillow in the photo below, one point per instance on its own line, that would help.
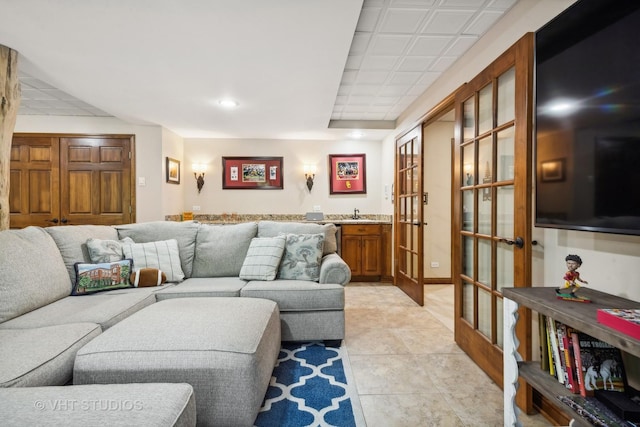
(163, 255)
(302, 257)
(106, 250)
(106, 276)
(263, 258)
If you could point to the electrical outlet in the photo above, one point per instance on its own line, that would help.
(316, 208)
(435, 264)
(142, 181)
(196, 208)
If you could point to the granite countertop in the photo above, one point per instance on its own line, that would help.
(233, 218)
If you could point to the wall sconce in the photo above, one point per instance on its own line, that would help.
(198, 172)
(309, 175)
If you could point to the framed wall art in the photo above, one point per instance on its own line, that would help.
(257, 173)
(172, 170)
(552, 170)
(348, 174)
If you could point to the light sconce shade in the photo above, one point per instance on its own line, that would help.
(309, 175)
(198, 172)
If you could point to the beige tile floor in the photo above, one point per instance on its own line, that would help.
(407, 368)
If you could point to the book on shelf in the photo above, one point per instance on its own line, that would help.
(553, 337)
(601, 365)
(624, 320)
(564, 335)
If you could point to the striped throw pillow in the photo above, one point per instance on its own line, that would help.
(163, 255)
(263, 258)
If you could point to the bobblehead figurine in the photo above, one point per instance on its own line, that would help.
(571, 279)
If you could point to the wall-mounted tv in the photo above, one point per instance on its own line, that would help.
(587, 118)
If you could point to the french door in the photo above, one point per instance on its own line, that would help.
(408, 216)
(492, 203)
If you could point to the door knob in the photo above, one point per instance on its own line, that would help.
(64, 220)
(519, 242)
(54, 220)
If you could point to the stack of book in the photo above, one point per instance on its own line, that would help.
(585, 365)
(624, 320)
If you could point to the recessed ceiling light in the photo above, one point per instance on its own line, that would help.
(228, 103)
(356, 134)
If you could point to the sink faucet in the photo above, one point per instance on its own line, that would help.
(355, 214)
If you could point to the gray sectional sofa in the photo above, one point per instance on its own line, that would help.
(43, 326)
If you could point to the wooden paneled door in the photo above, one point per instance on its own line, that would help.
(408, 218)
(492, 204)
(88, 180)
(34, 181)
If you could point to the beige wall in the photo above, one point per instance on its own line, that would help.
(294, 198)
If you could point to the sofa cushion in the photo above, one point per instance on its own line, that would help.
(160, 405)
(32, 272)
(302, 257)
(183, 232)
(263, 258)
(297, 295)
(221, 249)
(42, 356)
(273, 228)
(163, 255)
(103, 308)
(101, 250)
(72, 243)
(106, 276)
(203, 287)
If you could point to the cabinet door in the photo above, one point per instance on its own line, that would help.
(371, 256)
(351, 253)
(34, 184)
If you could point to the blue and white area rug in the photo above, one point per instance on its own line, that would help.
(312, 385)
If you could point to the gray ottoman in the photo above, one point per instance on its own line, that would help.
(128, 405)
(226, 348)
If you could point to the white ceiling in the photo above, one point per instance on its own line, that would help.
(299, 69)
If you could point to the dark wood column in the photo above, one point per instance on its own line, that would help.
(9, 103)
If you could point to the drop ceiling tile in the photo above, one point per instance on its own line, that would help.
(428, 78)
(447, 22)
(372, 77)
(341, 100)
(386, 101)
(379, 62)
(387, 44)
(417, 90)
(365, 90)
(415, 63)
(359, 43)
(461, 45)
(429, 45)
(361, 100)
(349, 76)
(368, 18)
(402, 21)
(355, 109)
(443, 63)
(476, 4)
(412, 3)
(394, 90)
(353, 62)
(503, 5)
(345, 89)
(481, 23)
(404, 78)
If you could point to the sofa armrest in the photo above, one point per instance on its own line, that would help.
(334, 270)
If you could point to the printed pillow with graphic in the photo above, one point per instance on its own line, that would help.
(263, 258)
(107, 250)
(106, 276)
(302, 257)
(163, 255)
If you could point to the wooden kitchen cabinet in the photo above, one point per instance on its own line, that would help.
(362, 250)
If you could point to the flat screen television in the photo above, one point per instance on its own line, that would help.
(587, 118)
